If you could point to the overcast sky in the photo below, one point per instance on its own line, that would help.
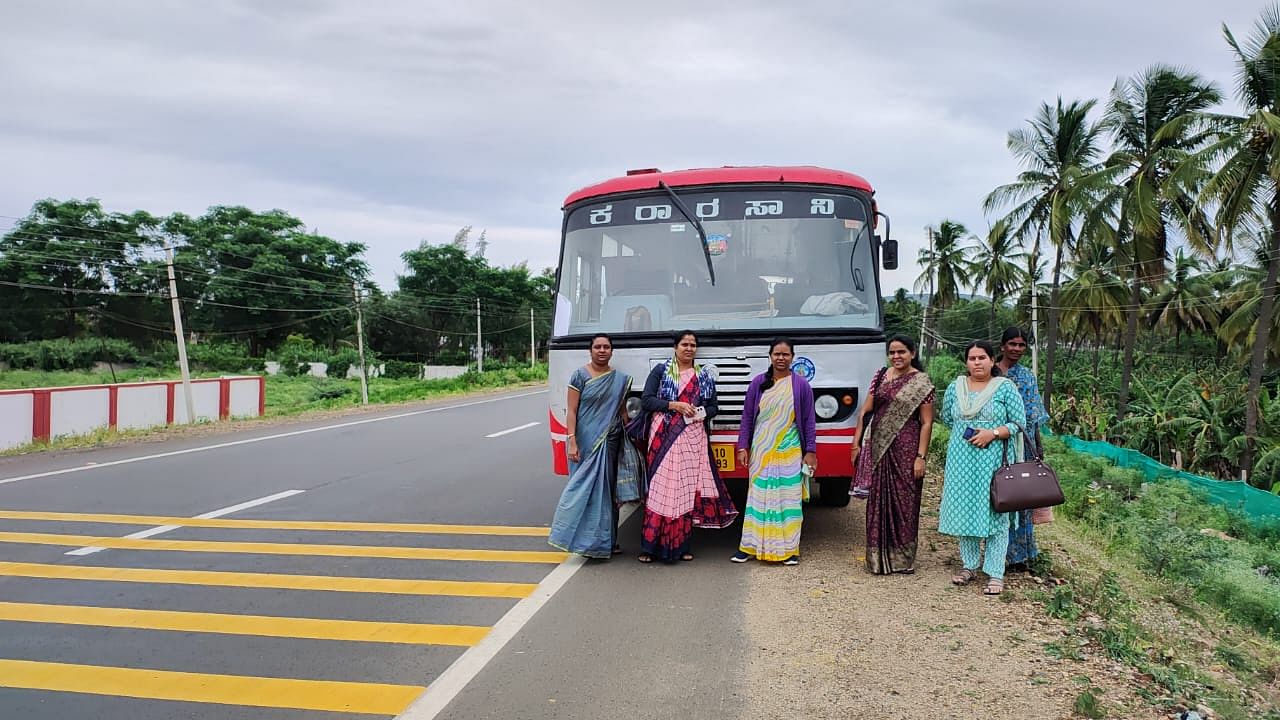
(395, 122)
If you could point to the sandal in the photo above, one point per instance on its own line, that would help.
(645, 558)
(617, 549)
(686, 557)
(995, 586)
(964, 577)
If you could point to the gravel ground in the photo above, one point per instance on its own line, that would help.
(830, 640)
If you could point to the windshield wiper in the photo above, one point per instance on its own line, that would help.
(697, 225)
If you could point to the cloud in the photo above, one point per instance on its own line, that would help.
(396, 122)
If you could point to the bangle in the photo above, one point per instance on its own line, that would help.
(920, 456)
(570, 435)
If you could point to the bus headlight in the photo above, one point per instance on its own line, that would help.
(633, 407)
(826, 406)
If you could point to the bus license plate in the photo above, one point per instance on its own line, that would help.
(724, 457)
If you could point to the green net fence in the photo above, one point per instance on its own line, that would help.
(1257, 505)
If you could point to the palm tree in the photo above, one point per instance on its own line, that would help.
(946, 268)
(995, 267)
(1246, 188)
(1240, 303)
(1059, 148)
(1151, 120)
(1186, 301)
(1094, 299)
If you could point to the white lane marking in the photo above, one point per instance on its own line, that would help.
(277, 436)
(151, 532)
(508, 431)
(445, 688)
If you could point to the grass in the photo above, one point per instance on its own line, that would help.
(286, 396)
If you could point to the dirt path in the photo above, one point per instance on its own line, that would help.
(832, 641)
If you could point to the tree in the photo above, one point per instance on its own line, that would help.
(995, 267)
(1059, 148)
(946, 268)
(261, 276)
(1094, 299)
(1246, 187)
(1151, 118)
(1186, 301)
(61, 263)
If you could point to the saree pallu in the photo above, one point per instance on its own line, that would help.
(893, 502)
(685, 491)
(1022, 539)
(585, 518)
(775, 512)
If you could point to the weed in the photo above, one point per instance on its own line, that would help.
(1088, 705)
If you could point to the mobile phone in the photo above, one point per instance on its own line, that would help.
(969, 432)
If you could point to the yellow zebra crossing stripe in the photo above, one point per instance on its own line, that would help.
(320, 695)
(245, 524)
(213, 578)
(261, 625)
(264, 548)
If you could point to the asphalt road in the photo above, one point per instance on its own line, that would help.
(316, 592)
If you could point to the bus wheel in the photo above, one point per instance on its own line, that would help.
(834, 491)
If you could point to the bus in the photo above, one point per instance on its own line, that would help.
(740, 255)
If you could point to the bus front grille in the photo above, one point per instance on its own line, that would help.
(731, 390)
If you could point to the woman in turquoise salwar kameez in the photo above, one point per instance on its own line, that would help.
(990, 411)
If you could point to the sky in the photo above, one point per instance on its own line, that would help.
(396, 122)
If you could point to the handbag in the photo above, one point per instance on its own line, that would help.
(1025, 485)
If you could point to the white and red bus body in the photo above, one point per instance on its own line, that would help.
(794, 254)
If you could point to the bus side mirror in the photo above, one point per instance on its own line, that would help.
(889, 254)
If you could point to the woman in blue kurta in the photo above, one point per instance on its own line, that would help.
(989, 410)
(1022, 540)
(586, 519)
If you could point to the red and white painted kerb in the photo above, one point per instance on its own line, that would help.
(42, 414)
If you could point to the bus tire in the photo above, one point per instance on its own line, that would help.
(834, 491)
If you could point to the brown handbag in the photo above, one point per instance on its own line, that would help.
(1025, 485)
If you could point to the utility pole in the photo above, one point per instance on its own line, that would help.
(479, 341)
(364, 372)
(533, 356)
(182, 341)
(924, 317)
(1035, 333)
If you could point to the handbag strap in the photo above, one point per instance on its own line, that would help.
(1036, 453)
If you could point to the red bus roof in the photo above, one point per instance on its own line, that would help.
(649, 179)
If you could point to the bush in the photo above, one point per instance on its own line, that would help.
(223, 357)
(401, 369)
(295, 354)
(64, 354)
(943, 369)
(340, 362)
(327, 389)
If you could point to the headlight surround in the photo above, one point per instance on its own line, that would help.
(826, 406)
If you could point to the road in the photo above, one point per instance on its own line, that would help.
(336, 569)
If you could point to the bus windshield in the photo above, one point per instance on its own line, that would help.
(783, 259)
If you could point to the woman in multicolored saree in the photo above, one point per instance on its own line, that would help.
(888, 454)
(586, 520)
(776, 440)
(684, 489)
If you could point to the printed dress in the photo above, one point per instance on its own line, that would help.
(771, 524)
(966, 489)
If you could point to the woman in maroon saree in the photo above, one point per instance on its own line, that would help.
(889, 453)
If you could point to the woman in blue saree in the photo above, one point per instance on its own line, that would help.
(586, 520)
